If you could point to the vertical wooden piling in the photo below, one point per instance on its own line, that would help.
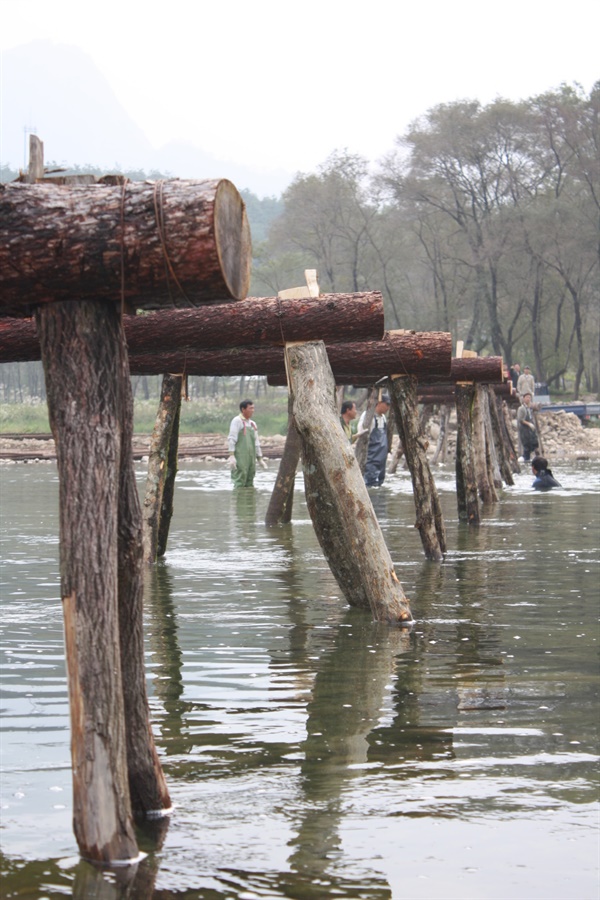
(168, 497)
(147, 785)
(509, 436)
(279, 511)
(159, 462)
(466, 479)
(485, 485)
(80, 352)
(429, 521)
(502, 450)
(337, 499)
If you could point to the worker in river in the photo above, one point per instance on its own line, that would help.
(244, 446)
(378, 449)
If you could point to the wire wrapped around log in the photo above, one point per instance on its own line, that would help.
(149, 244)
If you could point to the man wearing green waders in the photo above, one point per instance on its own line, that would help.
(244, 447)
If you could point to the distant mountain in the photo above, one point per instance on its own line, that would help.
(57, 91)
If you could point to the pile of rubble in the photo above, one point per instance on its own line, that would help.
(563, 436)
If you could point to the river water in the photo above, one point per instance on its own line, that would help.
(309, 752)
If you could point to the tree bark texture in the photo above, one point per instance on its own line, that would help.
(168, 497)
(429, 521)
(158, 463)
(337, 499)
(485, 484)
(279, 511)
(413, 353)
(147, 786)
(483, 370)
(148, 244)
(494, 448)
(333, 318)
(502, 450)
(434, 393)
(80, 351)
(509, 441)
(466, 478)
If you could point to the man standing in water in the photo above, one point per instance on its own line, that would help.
(377, 451)
(244, 447)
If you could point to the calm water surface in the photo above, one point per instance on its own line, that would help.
(309, 752)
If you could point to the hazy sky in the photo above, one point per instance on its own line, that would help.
(274, 83)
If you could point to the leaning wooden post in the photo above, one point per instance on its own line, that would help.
(509, 436)
(168, 497)
(502, 451)
(466, 479)
(279, 511)
(430, 521)
(147, 786)
(80, 351)
(168, 407)
(485, 484)
(338, 501)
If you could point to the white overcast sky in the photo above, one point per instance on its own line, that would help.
(282, 84)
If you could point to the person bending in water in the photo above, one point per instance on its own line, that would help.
(544, 479)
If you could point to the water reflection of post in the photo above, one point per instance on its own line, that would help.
(136, 881)
(166, 654)
(419, 729)
(345, 707)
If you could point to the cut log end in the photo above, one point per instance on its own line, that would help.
(233, 239)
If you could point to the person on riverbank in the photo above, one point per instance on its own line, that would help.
(526, 383)
(377, 451)
(244, 447)
(527, 433)
(348, 414)
(544, 479)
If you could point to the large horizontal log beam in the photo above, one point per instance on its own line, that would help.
(482, 370)
(425, 391)
(145, 244)
(258, 320)
(426, 354)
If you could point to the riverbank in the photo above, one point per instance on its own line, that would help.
(562, 433)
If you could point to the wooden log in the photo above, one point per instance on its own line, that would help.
(147, 786)
(337, 499)
(168, 497)
(509, 441)
(158, 463)
(80, 344)
(410, 353)
(502, 451)
(425, 391)
(485, 482)
(483, 370)
(279, 511)
(150, 244)
(429, 521)
(258, 320)
(466, 478)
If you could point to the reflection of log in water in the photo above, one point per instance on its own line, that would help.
(346, 705)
